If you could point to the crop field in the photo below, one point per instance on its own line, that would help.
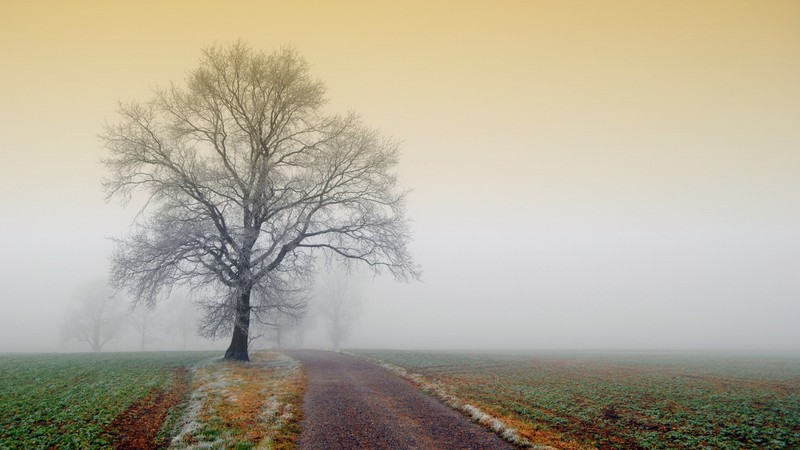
(624, 400)
(72, 400)
(93, 401)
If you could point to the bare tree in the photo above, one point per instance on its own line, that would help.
(145, 321)
(94, 317)
(244, 177)
(280, 327)
(339, 305)
(274, 324)
(182, 321)
(299, 330)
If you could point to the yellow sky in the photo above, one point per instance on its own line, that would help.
(521, 99)
(517, 117)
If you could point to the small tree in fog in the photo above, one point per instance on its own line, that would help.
(94, 316)
(299, 330)
(280, 327)
(146, 322)
(182, 320)
(339, 304)
(244, 177)
(274, 324)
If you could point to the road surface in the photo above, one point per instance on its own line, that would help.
(351, 403)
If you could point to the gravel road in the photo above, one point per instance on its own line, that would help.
(353, 404)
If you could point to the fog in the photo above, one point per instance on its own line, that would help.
(583, 176)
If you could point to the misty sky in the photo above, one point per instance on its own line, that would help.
(615, 174)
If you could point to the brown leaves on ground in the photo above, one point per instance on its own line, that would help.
(537, 436)
(138, 426)
(256, 403)
(251, 396)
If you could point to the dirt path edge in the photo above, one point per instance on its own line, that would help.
(475, 414)
(137, 428)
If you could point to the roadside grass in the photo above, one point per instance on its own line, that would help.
(71, 400)
(620, 401)
(97, 401)
(243, 405)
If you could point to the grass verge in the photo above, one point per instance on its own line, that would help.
(505, 427)
(253, 405)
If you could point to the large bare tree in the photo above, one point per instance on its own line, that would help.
(244, 177)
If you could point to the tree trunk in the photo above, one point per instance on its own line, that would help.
(336, 332)
(144, 330)
(241, 328)
(95, 341)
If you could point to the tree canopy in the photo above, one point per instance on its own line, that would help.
(245, 176)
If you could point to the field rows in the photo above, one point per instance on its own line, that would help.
(86, 401)
(625, 401)
(564, 400)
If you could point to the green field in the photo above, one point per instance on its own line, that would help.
(626, 400)
(70, 400)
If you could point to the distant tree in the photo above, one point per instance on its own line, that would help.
(182, 320)
(280, 327)
(339, 304)
(147, 323)
(275, 324)
(244, 177)
(299, 330)
(94, 317)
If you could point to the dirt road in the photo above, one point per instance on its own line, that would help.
(354, 404)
